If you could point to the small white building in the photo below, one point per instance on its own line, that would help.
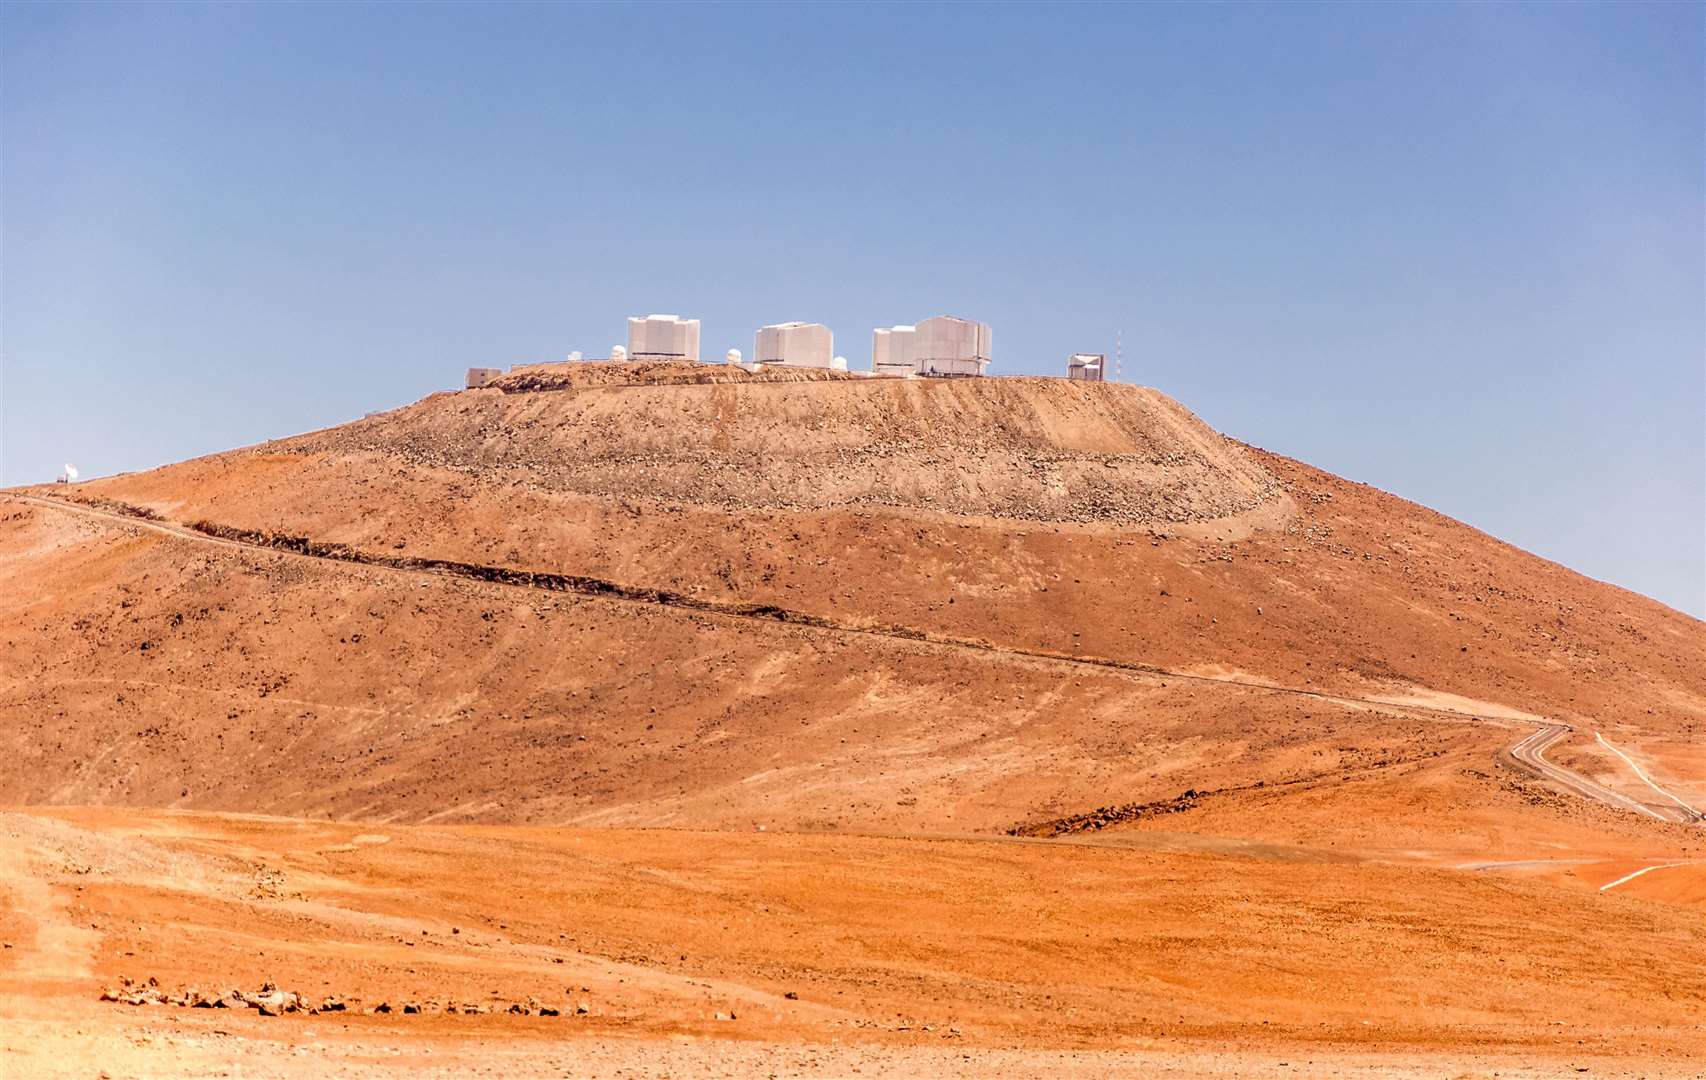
(480, 376)
(948, 345)
(663, 337)
(892, 351)
(1087, 367)
(794, 344)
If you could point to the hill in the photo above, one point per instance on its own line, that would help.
(953, 516)
(702, 598)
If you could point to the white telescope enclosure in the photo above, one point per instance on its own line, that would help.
(1087, 367)
(794, 344)
(948, 345)
(663, 337)
(892, 351)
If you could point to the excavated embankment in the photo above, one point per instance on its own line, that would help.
(587, 375)
(1022, 448)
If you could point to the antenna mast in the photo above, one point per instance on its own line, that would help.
(1119, 354)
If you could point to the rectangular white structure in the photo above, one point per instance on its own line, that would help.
(948, 345)
(480, 376)
(794, 344)
(893, 352)
(1087, 367)
(663, 337)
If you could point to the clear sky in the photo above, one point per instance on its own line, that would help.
(1452, 251)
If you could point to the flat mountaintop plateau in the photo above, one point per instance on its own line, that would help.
(664, 719)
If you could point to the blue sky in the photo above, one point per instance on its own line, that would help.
(1452, 251)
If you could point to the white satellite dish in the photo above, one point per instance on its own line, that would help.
(70, 472)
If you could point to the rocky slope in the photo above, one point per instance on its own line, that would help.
(874, 653)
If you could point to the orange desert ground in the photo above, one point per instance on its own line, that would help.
(628, 720)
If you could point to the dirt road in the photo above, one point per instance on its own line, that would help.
(1682, 811)
(1531, 752)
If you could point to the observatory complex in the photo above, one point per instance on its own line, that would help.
(942, 346)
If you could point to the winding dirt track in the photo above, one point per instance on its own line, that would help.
(1528, 752)
(1682, 811)
(1531, 752)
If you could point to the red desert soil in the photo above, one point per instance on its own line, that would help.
(840, 638)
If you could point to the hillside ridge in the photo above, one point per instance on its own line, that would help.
(1328, 590)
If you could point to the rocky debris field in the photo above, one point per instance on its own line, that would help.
(536, 378)
(270, 1000)
(1020, 448)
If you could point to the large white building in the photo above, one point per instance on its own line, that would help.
(943, 345)
(795, 344)
(952, 346)
(892, 351)
(663, 337)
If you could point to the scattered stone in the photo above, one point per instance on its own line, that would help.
(142, 995)
(270, 1000)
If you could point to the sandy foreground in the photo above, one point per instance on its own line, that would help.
(701, 954)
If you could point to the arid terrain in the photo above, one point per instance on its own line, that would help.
(666, 720)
